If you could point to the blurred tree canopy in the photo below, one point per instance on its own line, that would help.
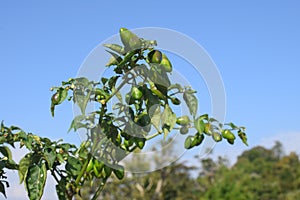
(259, 173)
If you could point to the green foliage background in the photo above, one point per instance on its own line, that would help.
(258, 174)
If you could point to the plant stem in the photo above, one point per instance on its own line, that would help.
(153, 135)
(117, 90)
(99, 190)
(54, 176)
(83, 170)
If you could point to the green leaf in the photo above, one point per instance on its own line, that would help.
(130, 40)
(75, 124)
(50, 156)
(84, 82)
(191, 101)
(151, 100)
(116, 48)
(118, 95)
(63, 93)
(66, 146)
(119, 171)
(168, 119)
(112, 82)
(14, 128)
(82, 99)
(142, 70)
(159, 76)
(35, 181)
(52, 108)
(155, 115)
(11, 164)
(61, 189)
(60, 158)
(6, 152)
(204, 117)
(2, 189)
(175, 86)
(23, 167)
(127, 58)
(243, 137)
(104, 80)
(234, 127)
(140, 142)
(73, 166)
(107, 171)
(2, 164)
(199, 125)
(114, 59)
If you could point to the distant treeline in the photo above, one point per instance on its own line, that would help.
(259, 173)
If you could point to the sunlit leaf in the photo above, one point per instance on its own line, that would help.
(82, 93)
(63, 93)
(199, 125)
(23, 167)
(168, 120)
(159, 76)
(35, 181)
(116, 48)
(112, 82)
(243, 137)
(114, 59)
(73, 166)
(61, 189)
(118, 171)
(6, 152)
(76, 123)
(155, 116)
(191, 102)
(50, 156)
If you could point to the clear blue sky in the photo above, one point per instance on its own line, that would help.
(255, 45)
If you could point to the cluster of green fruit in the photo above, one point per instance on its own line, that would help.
(100, 170)
(205, 126)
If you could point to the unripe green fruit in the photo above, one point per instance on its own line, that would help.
(55, 98)
(184, 130)
(188, 142)
(128, 99)
(97, 168)
(143, 119)
(175, 101)
(227, 134)
(230, 141)
(216, 136)
(118, 140)
(107, 171)
(207, 129)
(119, 171)
(183, 120)
(90, 166)
(136, 93)
(198, 139)
(155, 56)
(127, 143)
(165, 63)
(140, 142)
